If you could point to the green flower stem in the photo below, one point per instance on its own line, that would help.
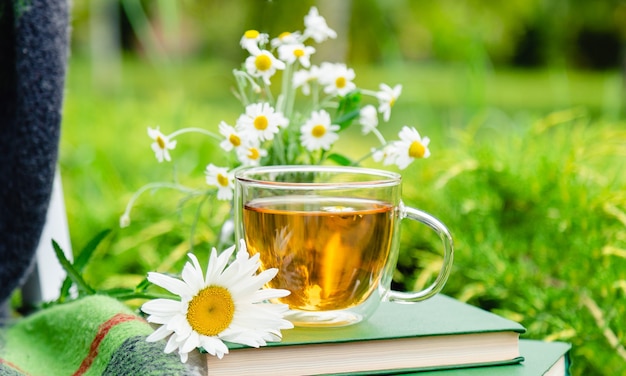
(364, 157)
(369, 92)
(328, 102)
(288, 91)
(278, 149)
(142, 295)
(243, 79)
(268, 92)
(125, 219)
(380, 137)
(315, 93)
(197, 130)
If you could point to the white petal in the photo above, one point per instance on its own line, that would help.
(171, 345)
(156, 319)
(214, 346)
(192, 342)
(267, 294)
(183, 356)
(159, 334)
(173, 285)
(217, 264)
(162, 307)
(192, 274)
(178, 324)
(248, 338)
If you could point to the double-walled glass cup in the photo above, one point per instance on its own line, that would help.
(333, 234)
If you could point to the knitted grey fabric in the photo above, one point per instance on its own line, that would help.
(33, 58)
(138, 357)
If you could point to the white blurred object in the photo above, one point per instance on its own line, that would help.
(47, 276)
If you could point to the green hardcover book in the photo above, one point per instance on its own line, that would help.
(438, 333)
(540, 359)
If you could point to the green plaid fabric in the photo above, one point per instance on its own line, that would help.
(96, 335)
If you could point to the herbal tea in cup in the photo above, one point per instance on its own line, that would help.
(333, 234)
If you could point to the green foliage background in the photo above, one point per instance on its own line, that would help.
(527, 166)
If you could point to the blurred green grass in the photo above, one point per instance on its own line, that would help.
(526, 170)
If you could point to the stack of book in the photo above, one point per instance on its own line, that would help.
(440, 336)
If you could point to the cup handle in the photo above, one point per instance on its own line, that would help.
(448, 255)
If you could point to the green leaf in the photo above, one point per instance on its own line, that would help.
(349, 102)
(341, 160)
(348, 110)
(88, 250)
(117, 291)
(345, 120)
(81, 261)
(143, 285)
(72, 273)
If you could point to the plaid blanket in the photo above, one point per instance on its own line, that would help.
(96, 335)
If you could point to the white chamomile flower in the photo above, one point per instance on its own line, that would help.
(251, 154)
(316, 27)
(264, 65)
(368, 118)
(290, 53)
(232, 138)
(411, 146)
(302, 78)
(387, 155)
(261, 122)
(318, 133)
(336, 78)
(161, 145)
(228, 304)
(251, 40)
(286, 38)
(387, 98)
(222, 179)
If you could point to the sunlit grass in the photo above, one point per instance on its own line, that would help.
(527, 171)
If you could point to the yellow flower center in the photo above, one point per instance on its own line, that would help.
(340, 82)
(253, 154)
(260, 122)
(211, 311)
(251, 34)
(298, 52)
(222, 180)
(263, 62)
(318, 131)
(161, 142)
(284, 35)
(234, 139)
(392, 101)
(416, 150)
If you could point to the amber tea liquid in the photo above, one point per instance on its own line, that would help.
(330, 252)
